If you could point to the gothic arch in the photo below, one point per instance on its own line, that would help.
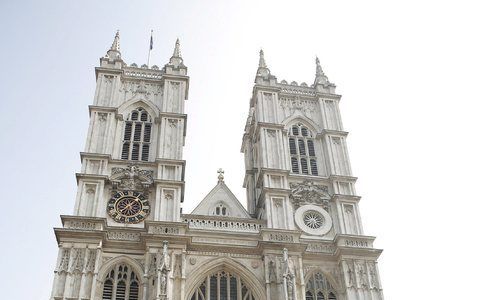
(298, 118)
(225, 263)
(105, 268)
(327, 275)
(134, 103)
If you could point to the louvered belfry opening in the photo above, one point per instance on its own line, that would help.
(301, 150)
(121, 283)
(137, 136)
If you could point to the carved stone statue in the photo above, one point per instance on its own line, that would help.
(272, 270)
(164, 268)
(351, 277)
(289, 277)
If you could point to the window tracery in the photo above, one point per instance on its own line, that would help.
(302, 151)
(222, 285)
(319, 288)
(121, 283)
(137, 136)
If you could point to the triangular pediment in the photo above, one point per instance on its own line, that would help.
(220, 201)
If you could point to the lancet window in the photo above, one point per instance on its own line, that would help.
(222, 286)
(319, 288)
(121, 283)
(301, 150)
(220, 210)
(137, 136)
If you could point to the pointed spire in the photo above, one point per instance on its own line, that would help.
(262, 62)
(176, 59)
(176, 52)
(262, 67)
(114, 52)
(116, 42)
(321, 81)
(319, 70)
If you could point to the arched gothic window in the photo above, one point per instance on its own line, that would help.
(319, 288)
(121, 283)
(220, 210)
(222, 286)
(137, 136)
(301, 150)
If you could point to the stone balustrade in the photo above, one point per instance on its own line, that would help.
(222, 224)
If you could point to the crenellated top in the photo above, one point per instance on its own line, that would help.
(113, 60)
(321, 82)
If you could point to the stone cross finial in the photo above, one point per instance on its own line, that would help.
(221, 177)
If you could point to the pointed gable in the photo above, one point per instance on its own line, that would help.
(220, 201)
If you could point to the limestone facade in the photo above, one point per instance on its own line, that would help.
(299, 238)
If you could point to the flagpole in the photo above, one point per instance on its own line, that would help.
(149, 49)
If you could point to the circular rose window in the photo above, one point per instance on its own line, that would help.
(313, 220)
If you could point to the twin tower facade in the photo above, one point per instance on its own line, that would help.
(299, 238)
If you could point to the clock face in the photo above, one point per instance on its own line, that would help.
(128, 207)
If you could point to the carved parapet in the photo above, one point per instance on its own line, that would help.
(280, 235)
(354, 241)
(223, 224)
(165, 228)
(83, 223)
(323, 248)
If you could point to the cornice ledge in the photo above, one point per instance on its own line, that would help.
(94, 155)
(332, 132)
(345, 197)
(172, 115)
(330, 96)
(92, 108)
(271, 88)
(270, 125)
(90, 176)
(343, 177)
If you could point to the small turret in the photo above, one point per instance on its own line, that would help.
(114, 52)
(321, 81)
(176, 61)
(263, 74)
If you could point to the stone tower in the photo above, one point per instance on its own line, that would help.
(132, 171)
(298, 179)
(299, 238)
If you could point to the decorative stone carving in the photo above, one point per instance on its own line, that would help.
(90, 264)
(163, 269)
(289, 276)
(272, 269)
(178, 266)
(123, 236)
(65, 260)
(131, 178)
(77, 262)
(351, 275)
(102, 117)
(309, 193)
(373, 276)
(192, 261)
(290, 105)
(362, 274)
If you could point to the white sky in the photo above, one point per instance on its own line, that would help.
(407, 70)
